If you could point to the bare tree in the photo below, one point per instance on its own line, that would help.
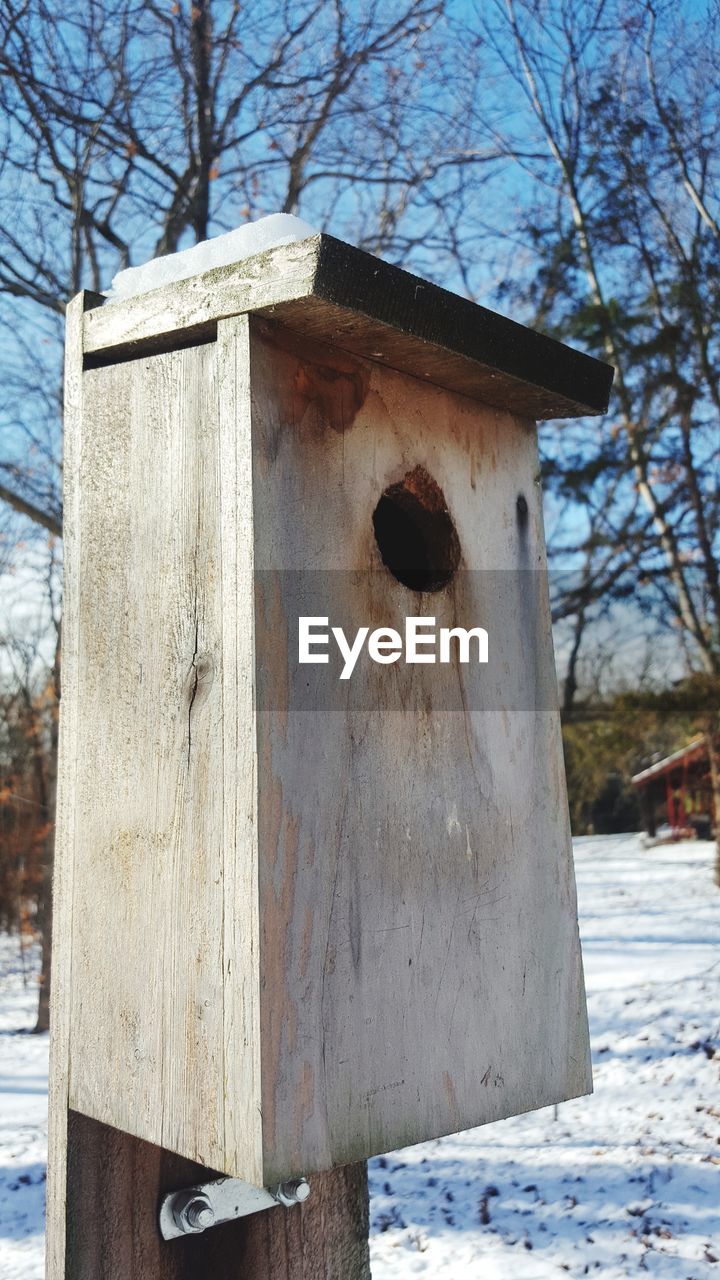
(135, 128)
(29, 695)
(132, 129)
(613, 141)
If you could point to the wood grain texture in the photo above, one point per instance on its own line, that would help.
(115, 1186)
(65, 823)
(194, 307)
(304, 934)
(241, 965)
(332, 291)
(420, 962)
(163, 705)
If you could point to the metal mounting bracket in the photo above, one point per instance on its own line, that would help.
(194, 1209)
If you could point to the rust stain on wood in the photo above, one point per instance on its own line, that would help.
(337, 395)
(332, 383)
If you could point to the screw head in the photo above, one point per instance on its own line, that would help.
(193, 1212)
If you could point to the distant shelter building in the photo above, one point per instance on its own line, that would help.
(678, 790)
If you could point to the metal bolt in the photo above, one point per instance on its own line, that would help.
(294, 1191)
(193, 1212)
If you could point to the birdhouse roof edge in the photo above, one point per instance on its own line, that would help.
(358, 302)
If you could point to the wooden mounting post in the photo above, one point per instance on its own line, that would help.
(114, 1186)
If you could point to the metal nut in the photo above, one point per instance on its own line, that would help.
(193, 1212)
(294, 1191)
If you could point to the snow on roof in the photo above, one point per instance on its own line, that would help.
(220, 251)
(664, 766)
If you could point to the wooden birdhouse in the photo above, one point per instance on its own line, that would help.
(303, 915)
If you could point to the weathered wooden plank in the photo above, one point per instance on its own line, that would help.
(195, 306)
(154, 948)
(241, 966)
(149, 650)
(327, 289)
(367, 336)
(453, 342)
(65, 823)
(419, 951)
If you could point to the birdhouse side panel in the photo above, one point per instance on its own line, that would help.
(157, 1049)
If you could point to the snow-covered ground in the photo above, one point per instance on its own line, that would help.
(23, 1116)
(624, 1182)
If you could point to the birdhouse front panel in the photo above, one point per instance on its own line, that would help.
(419, 959)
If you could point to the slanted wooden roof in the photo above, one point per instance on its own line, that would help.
(693, 751)
(329, 290)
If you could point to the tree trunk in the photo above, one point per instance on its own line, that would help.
(45, 897)
(44, 924)
(114, 1184)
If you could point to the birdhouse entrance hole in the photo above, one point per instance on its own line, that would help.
(415, 533)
